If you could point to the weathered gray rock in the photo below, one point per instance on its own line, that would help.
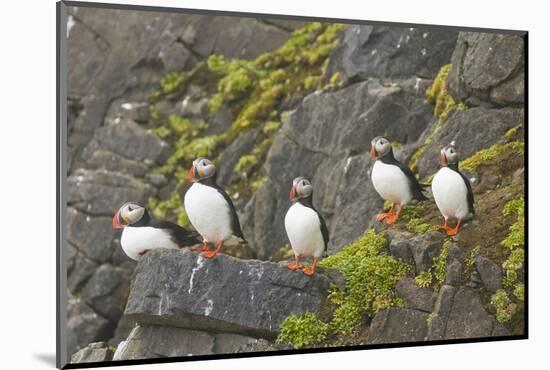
(395, 325)
(84, 325)
(128, 140)
(489, 272)
(100, 192)
(81, 271)
(415, 297)
(235, 343)
(87, 234)
(400, 249)
(500, 330)
(231, 37)
(391, 52)
(328, 138)
(182, 288)
(106, 291)
(488, 66)
(438, 319)
(472, 130)
(468, 318)
(93, 352)
(455, 265)
(424, 248)
(231, 155)
(154, 341)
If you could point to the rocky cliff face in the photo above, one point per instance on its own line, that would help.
(145, 96)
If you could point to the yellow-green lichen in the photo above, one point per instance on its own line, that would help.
(171, 81)
(505, 308)
(370, 274)
(302, 331)
(438, 95)
(437, 272)
(472, 163)
(512, 132)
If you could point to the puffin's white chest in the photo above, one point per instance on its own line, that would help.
(304, 231)
(208, 212)
(391, 183)
(136, 240)
(450, 193)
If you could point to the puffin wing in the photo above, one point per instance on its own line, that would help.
(470, 195)
(416, 187)
(182, 237)
(324, 228)
(235, 225)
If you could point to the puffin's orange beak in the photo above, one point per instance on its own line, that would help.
(191, 174)
(292, 193)
(116, 222)
(373, 154)
(442, 158)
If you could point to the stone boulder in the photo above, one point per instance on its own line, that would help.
(226, 294)
(391, 52)
(93, 352)
(489, 272)
(488, 68)
(471, 130)
(415, 297)
(84, 325)
(398, 325)
(328, 139)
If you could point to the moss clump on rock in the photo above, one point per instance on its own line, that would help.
(437, 273)
(504, 306)
(438, 95)
(475, 161)
(302, 331)
(370, 274)
(514, 264)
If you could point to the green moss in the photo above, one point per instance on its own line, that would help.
(438, 95)
(489, 154)
(469, 262)
(514, 264)
(519, 291)
(503, 305)
(437, 273)
(424, 279)
(171, 81)
(370, 276)
(417, 226)
(302, 331)
(512, 132)
(245, 163)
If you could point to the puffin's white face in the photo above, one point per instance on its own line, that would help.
(448, 155)
(202, 168)
(128, 214)
(380, 146)
(301, 188)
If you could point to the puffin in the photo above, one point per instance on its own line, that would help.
(210, 209)
(305, 227)
(392, 180)
(452, 191)
(142, 233)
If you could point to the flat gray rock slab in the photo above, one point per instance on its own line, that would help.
(225, 294)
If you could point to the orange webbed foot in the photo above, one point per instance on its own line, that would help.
(391, 219)
(210, 254)
(308, 271)
(382, 216)
(294, 266)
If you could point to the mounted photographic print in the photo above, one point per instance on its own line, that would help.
(237, 184)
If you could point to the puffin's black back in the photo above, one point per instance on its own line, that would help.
(416, 187)
(470, 195)
(181, 236)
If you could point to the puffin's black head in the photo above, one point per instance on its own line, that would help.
(128, 214)
(448, 155)
(201, 169)
(301, 188)
(379, 147)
